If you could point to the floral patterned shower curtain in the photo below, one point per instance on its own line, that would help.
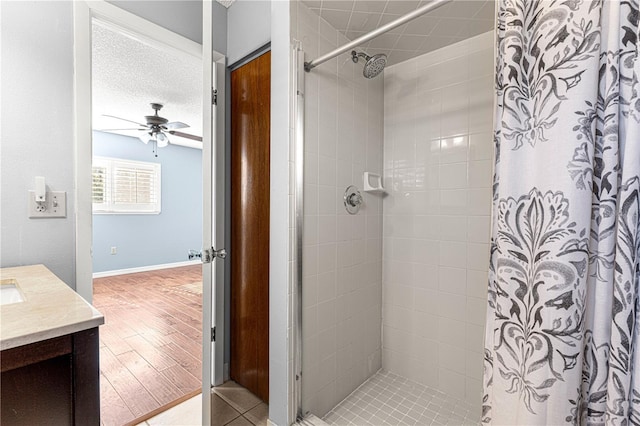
(563, 335)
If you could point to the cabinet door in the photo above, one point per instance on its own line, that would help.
(39, 393)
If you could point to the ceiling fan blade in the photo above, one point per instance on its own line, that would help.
(186, 135)
(175, 125)
(124, 119)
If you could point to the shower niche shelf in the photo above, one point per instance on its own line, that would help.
(373, 183)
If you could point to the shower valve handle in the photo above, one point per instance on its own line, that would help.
(354, 200)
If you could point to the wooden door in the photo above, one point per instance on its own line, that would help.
(250, 142)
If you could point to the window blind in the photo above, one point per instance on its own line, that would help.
(124, 186)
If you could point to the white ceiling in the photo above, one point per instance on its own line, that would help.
(129, 74)
(446, 25)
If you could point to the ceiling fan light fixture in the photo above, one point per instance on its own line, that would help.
(163, 140)
(146, 137)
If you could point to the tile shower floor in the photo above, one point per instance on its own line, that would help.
(389, 399)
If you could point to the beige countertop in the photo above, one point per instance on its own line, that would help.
(50, 308)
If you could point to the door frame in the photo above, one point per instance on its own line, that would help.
(215, 183)
(159, 37)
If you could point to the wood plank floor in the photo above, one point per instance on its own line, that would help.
(150, 344)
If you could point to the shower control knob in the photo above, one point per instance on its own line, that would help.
(352, 200)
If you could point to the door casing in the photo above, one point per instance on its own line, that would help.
(214, 184)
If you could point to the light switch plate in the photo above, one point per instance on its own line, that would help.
(54, 206)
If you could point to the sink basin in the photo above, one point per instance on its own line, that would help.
(10, 292)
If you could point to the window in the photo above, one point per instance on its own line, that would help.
(124, 186)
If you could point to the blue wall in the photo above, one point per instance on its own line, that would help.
(144, 240)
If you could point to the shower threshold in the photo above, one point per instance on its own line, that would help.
(389, 399)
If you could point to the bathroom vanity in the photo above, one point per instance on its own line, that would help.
(49, 342)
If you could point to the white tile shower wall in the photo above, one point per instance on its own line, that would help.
(342, 253)
(437, 166)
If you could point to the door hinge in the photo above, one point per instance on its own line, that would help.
(213, 334)
(209, 254)
(206, 255)
(214, 96)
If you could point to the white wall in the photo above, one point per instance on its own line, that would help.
(219, 28)
(342, 253)
(37, 81)
(248, 27)
(181, 16)
(164, 12)
(437, 160)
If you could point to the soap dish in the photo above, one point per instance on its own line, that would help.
(373, 183)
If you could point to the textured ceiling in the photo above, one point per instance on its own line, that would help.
(129, 74)
(446, 25)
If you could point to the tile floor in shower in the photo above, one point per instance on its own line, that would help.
(389, 399)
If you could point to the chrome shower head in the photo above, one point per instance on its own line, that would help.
(373, 65)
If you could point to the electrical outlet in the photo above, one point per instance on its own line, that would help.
(114, 250)
(55, 205)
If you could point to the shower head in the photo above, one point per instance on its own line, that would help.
(373, 65)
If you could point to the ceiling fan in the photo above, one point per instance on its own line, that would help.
(156, 128)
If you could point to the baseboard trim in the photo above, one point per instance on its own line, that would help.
(144, 268)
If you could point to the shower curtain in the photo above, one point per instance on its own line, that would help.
(562, 337)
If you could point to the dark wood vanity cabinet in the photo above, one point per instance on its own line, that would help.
(52, 382)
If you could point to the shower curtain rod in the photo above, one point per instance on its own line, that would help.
(308, 66)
